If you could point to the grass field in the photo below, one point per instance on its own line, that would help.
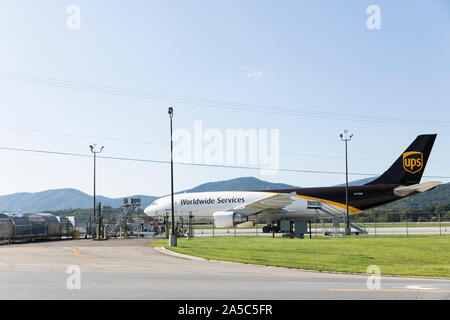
(426, 255)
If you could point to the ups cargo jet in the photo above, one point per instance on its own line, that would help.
(229, 208)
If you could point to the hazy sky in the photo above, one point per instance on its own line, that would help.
(318, 57)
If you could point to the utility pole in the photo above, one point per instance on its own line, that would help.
(440, 229)
(346, 138)
(173, 235)
(95, 151)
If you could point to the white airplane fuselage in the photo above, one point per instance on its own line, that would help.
(203, 205)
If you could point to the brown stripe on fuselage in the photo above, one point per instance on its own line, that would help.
(360, 198)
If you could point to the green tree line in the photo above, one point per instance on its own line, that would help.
(425, 214)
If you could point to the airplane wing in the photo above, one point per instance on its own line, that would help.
(415, 188)
(273, 201)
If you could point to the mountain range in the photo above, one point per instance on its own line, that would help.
(60, 199)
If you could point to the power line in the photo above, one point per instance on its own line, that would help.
(196, 164)
(214, 103)
(83, 136)
(195, 147)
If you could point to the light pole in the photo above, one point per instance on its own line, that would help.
(346, 138)
(173, 236)
(94, 150)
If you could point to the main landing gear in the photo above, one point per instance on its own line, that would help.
(271, 228)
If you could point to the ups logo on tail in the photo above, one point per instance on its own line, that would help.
(413, 161)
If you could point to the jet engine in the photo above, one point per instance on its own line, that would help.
(228, 219)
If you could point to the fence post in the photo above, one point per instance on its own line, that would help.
(315, 221)
(190, 224)
(375, 223)
(182, 227)
(310, 231)
(406, 215)
(439, 217)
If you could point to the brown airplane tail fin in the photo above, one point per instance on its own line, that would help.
(408, 168)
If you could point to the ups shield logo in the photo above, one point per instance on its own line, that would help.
(413, 161)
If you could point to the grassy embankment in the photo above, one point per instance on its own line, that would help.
(417, 255)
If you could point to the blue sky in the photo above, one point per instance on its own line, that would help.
(317, 56)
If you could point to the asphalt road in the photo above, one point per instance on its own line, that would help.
(129, 269)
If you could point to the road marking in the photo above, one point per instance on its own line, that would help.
(390, 290)
(419, 288)
(41, 265)
(78, 254)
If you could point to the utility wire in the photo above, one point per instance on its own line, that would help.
(199, 101)
(197, 164)
(195, 147)
(214, 103)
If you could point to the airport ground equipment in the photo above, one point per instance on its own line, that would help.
(296, 228)
(33, 226)
(336, 216)
(285, 226)
(128, 208)
(300, 228)
(293, 229)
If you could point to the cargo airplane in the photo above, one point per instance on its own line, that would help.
(229, 208)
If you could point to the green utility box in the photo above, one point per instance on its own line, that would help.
(285, 226)
(300, 228)
(298, 231)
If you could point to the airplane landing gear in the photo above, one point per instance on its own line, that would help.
(271, 228)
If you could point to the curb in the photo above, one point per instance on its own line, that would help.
(178, 255)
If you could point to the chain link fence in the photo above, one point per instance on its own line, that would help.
(200, 226)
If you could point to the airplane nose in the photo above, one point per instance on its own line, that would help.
(147, 210)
